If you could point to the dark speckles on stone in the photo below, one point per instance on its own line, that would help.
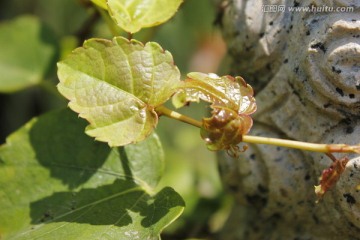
(319, 45)
(296, 4)
(347, 121)
(307, 33)
(316, 219)
(256, 200)
(355, 166)
(352, 225)
(349, 130)
(286, 60)
(276, 216)
(296, 70)
(301, 202)
(349, 198)
(261, 34)
(262, 189)
(314, 21)
(248, 48)
(353, 20)
(271, 23)
(253, 156)
(307, 177)
(283, 192)
(338, 71)
(326, 105)
(351, 95)
(339, 91)
(358, 87)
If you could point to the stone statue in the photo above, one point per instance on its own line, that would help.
(303, 60)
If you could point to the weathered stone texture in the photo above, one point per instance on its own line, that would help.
(305, 68)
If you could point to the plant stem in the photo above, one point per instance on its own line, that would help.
(162, 110)
(314, 147)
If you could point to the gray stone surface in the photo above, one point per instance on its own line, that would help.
(305, 68)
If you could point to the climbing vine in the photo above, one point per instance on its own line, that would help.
(122, 87)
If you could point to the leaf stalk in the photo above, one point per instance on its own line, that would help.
(313, 147)
(162, 110)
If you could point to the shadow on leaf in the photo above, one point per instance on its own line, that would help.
(61, 145)
(120, 204)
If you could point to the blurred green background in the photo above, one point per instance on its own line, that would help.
(35, 34)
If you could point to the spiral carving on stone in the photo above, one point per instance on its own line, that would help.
(333, 63)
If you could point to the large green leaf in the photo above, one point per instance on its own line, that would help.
(116, 85)
(27, 51)
(132, 15)
(58, 183)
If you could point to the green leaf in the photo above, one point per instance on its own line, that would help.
(132, 15)
(116, 85)
(100, 3)
(64, 17)
(57, 183)
(28, 50)
(232, 102)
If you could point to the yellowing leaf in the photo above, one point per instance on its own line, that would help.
(116, 85)
(132, 15)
